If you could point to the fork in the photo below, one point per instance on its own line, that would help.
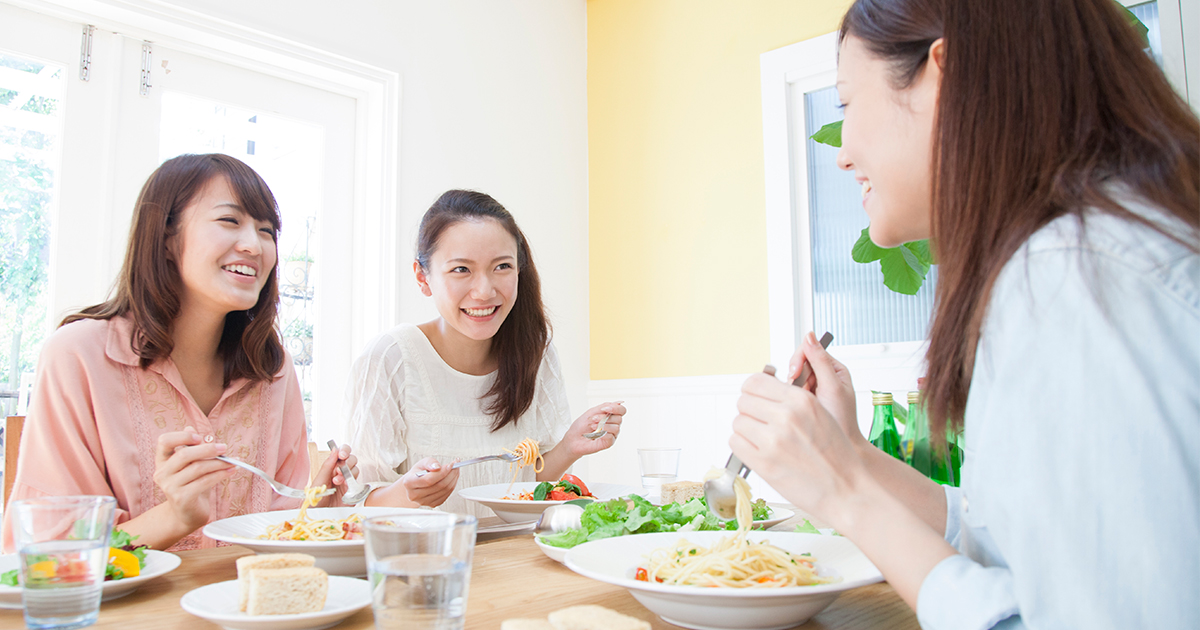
(282, 490)
(508, 457)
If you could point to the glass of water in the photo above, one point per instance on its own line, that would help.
(63, 544)
(420, 568)
(659, 466)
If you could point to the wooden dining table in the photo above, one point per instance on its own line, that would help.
(510, 578)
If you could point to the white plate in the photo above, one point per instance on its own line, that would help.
(614, 560)
(778, 515)
(218, 603)
(157, 563)
(337, 557)
(517, 511)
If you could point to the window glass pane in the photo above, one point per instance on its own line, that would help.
(849, 298)
(289, 156)
(1148, 14)
(30, 129)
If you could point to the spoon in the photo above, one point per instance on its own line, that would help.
(557, 518)
(599, 432)
(356, 491)
(718, 492)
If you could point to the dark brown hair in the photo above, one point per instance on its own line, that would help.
(522, 338)
(1042, 105)
(149, 287)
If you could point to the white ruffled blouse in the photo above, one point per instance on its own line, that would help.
(405, 404)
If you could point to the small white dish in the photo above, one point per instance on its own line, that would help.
(337, 557)
(615, 561)
(157, 563)
(218, 603)
(518, 511)
(558, 554)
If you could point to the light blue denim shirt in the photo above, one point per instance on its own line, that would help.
(1080, 505)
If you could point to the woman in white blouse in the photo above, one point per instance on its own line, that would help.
(1057, 175)
(476, 380)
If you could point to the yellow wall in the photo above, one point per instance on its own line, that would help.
(677, 230)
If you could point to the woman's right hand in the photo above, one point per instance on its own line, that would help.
(434, 487)
(186, 472)
(830, 382)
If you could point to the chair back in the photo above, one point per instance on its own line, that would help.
(12, 443)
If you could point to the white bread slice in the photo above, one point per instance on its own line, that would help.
(594, 618)
(525, 624)
(680, 491)
(245, 564)
(287, 591)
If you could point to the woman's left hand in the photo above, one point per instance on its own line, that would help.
(330, 474)
(610, 413)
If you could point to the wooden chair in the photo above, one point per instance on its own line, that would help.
(12, 442)
(315, 459)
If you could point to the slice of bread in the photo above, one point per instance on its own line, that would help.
(594, 618)
(680, 491)
(245, 564)
(525, 624)
(287, 591)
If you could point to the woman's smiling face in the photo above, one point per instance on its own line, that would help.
(472, 277)
(887, 140)
(224, 256)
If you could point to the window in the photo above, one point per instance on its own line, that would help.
(31, 94)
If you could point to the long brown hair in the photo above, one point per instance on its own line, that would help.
(521, 340)
(1042, 105)
(149, 287)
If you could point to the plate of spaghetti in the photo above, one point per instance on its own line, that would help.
(517, 510)
(755, 580)
(331, 535)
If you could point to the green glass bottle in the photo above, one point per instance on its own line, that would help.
(883, 428)
(947, 460)
(918, 430)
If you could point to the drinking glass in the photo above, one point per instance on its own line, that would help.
(63, 544)
(659, 466)
(420, 569)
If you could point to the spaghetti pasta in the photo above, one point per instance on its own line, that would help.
(528, 454)
(304, 529)
(734, 561)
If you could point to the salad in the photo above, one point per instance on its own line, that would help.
(125, 560)
(636, 515)
(568, 488)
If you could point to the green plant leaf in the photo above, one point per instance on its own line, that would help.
(902, 272)
(923, 251)
(865, 250)
(1143, 33)
(831, 134)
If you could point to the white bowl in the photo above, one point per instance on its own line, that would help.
(157, 563)
(337, 557)
(558, 554)
(517, 511)
(614, 560)
(218, 603)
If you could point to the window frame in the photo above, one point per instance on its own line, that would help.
(805, 67)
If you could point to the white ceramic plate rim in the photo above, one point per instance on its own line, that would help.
(491, 494)
(717, 593)
(346, 596)
(157, 563)
(245, 529)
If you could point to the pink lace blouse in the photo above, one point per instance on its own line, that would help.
(95, 417)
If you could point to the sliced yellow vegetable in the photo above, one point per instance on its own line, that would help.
(125, 561)
(43, 570)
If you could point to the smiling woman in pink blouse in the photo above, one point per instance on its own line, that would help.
(136, 396)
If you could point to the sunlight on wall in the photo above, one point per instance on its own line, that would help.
(677, 232)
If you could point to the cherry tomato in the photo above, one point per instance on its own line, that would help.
(579, 482)
(641, 575)
(559, 495)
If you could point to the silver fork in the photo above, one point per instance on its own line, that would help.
(287, 491)
(508, 457)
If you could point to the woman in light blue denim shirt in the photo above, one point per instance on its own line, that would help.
(1058, 176)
